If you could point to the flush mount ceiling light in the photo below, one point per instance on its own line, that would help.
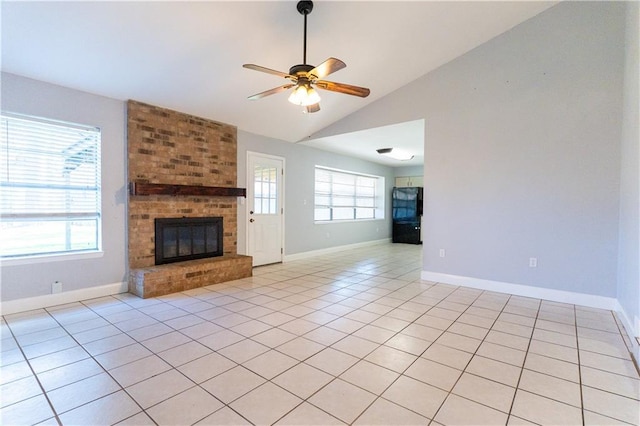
(303, 77)
(396, 154)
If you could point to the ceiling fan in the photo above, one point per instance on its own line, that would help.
(303, 77)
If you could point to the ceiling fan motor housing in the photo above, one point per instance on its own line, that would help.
(301, 69)
(305, 7)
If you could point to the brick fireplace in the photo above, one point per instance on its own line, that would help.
(180, 166)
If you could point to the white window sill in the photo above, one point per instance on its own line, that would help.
(58, 257)
(333, 222)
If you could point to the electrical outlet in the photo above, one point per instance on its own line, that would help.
(56, 287)
(533, 262)
(442, 253)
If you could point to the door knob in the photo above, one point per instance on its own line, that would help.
(251, 220)
(251, 212)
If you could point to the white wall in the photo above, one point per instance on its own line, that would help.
(301, 233)
(522, 152)
(26, 96)
(629, 255)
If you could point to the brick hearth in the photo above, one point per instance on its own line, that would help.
(173, 148)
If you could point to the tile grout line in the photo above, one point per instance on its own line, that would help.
(96, 361)
(195, 384)
(35, 376)
(419, 356)
(582, 385)
(408, 283)
(635, 362)
(338, 377)
(330, 346)
(249, 338)
(575, 319)
(524, 361)
(473, 355)
(352, 286)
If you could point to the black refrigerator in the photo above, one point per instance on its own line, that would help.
(407, 212)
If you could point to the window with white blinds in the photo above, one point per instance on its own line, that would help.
(343, 195)
(50, 187)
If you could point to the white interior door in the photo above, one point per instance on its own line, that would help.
(265, 213)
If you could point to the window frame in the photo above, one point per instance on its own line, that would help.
(378, 197)
(92, 151)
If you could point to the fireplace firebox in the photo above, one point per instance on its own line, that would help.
(188, 238)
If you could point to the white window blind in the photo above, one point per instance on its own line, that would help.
(342, 195)
(50, 183)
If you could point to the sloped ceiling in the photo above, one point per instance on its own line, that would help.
(188, 56)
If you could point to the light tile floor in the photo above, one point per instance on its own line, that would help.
(348, 338)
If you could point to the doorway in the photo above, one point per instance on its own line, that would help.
(265, 208)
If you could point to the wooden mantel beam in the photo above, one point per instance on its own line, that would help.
(137, 188)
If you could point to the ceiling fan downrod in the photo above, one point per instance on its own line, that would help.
(305, 7)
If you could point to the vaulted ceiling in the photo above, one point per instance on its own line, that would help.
(188, 56)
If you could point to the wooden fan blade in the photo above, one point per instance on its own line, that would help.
(270, 92)
(267, 70)
(329, 66)
(347, 89)
(312, 108)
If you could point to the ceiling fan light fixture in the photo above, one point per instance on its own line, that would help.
(304, 95)
(396, 154)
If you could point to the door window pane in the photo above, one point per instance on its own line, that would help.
(265, 194)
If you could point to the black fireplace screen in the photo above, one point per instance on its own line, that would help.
(188, 238)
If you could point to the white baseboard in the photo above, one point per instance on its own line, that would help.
(47, 300)
(633, 330)
(330, 250)
(582, 299)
